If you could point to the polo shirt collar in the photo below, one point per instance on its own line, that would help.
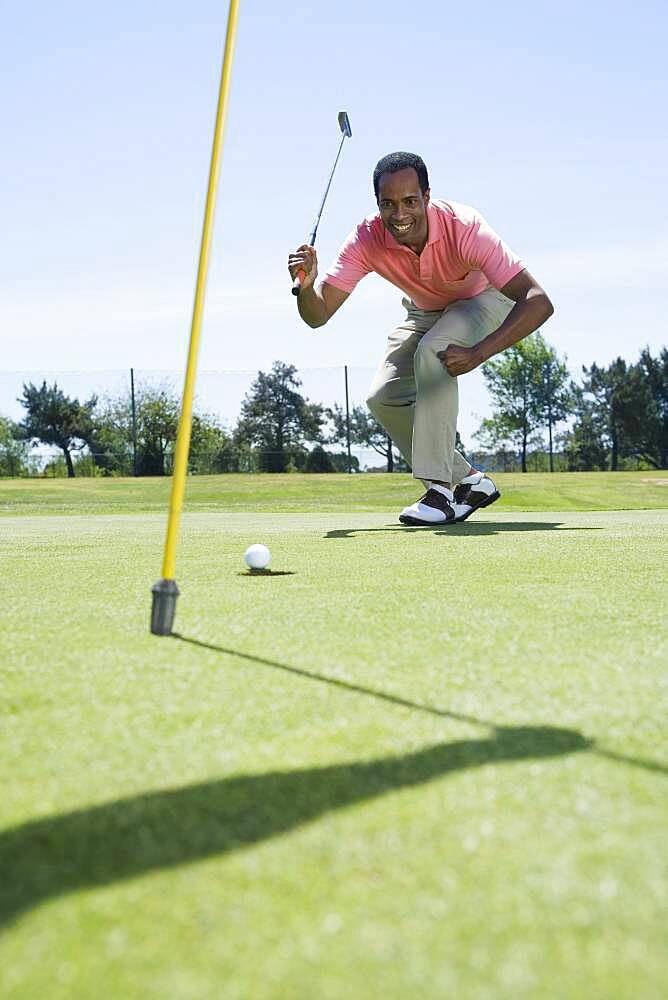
(435, 224)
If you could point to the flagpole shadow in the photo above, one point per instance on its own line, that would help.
(89, 848)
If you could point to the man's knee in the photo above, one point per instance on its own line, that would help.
(454, 328)
(391, 391)
(426, 356)
(425, 349)
(377, 397)
(390, 394)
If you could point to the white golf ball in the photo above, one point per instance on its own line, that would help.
(257, 556)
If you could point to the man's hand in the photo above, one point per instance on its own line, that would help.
(460, 360)
(304, 259)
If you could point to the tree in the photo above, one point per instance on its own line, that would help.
(520, 392)
(632, 405)
(109, 437)
(498, 440)
(157, 418)
(364, 431)
(54, 418)
(611, 393)
(646, 419)
(339, 460)
(584, 445)
(554, 391)
(337, 432)
(277, 419)
(211, 446)
(319, 461)
(14, 457)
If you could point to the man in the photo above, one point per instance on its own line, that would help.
(468, 297)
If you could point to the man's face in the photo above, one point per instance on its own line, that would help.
(403, 208)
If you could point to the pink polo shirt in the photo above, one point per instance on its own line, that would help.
(463, 256)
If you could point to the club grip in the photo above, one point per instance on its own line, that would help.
(297, 283)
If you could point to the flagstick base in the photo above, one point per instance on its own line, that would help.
(163, 608)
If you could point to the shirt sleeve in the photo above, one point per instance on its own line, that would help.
(349, 266)
(482, 249)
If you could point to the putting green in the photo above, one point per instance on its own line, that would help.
(409, 762)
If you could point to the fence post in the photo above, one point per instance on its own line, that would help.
(134, 422)
(549, 413)
(350, 461)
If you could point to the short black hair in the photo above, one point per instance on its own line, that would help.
(393, 162)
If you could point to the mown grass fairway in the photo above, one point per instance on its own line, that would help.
(417, 763)
(313, 493)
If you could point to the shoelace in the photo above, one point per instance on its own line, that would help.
(435, 493)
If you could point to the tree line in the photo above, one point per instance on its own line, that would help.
(278, 430)
(616, 415)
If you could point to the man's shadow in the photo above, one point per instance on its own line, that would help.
(476, 528)
(88, 848)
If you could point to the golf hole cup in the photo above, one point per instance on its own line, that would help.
(257, 557)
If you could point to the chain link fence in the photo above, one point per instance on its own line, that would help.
(219, 394)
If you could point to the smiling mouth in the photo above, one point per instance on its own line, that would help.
(402, 230)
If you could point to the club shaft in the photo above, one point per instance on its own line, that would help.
(311, 239)
(345, 127)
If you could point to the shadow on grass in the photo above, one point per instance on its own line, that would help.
(94, 847)
(266, 572)
(333, 681)
(476, 528)
(415, 706)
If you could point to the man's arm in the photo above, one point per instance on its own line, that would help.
(532, 307)
(316, 305)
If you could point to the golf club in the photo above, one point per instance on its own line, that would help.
(344, 125)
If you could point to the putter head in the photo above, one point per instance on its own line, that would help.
(344, 124)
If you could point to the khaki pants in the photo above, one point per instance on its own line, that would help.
(413, 396)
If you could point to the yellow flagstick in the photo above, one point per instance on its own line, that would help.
(165, 590)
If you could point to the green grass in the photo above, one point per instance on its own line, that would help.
(316, 493)
(411, 763)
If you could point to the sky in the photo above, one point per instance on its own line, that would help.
(549, 118)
